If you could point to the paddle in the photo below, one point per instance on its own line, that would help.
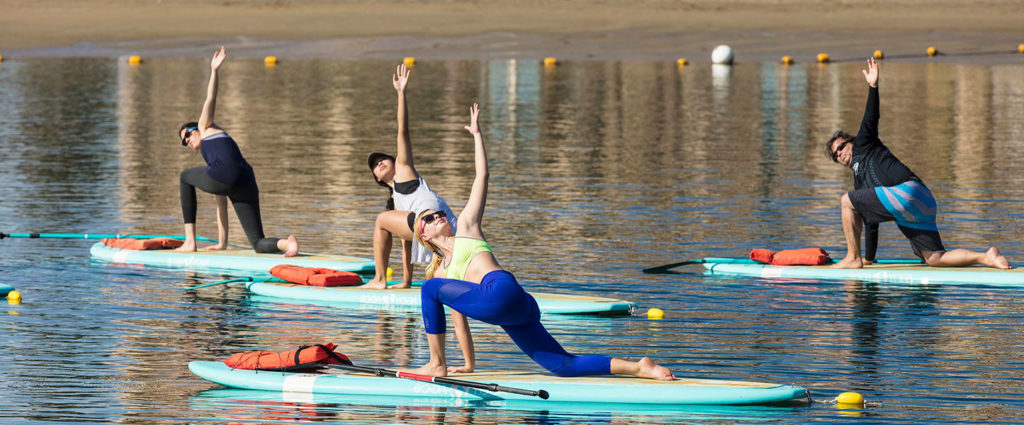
(664, 269)
(224, 282)
(347, 365)
(100, 236)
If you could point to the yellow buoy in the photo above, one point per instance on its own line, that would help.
(932, 51)
(2, 56)
(1020, 49)
(391, 272)
(550, 61)
(682, 62)
(134, 60)
(655, 314)
(14, 297)
(878, 54)
(786, 60)
(270, 60)
(823, 58)
(850, 398)
(409, 61)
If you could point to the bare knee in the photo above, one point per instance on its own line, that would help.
(932, 258)
(844, 201)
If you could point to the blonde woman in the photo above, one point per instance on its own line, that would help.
(468, 278)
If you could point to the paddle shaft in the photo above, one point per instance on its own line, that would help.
(224, 282)
(440, 380)
(94, 236)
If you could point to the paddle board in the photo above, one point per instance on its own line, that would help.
(232, 261)
(881, 273)
(409, 299)
(4, 289)
(589, 389)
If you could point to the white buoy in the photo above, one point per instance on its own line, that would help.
(722, 55)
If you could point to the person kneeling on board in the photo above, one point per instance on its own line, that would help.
(886, 190)
(410, 196)
(226, 175)
(467, 277)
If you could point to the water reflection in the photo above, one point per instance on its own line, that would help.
(598, 170)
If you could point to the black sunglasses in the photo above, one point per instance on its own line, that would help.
(188, 132)
(429, 218)
(835, 153)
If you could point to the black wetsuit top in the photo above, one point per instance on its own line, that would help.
(874, 165)
(225, 162)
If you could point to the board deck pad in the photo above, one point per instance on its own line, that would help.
(233, 261)
(881, 273)
(588, 389)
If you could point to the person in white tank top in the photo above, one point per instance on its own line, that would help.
(410, 196)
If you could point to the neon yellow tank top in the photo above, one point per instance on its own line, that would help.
(463, 252)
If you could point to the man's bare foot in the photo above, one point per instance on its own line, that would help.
(375, 283)
(187, 247)
(293, 247)
(849, 263)
(435, 370)
(651, 370)
(996, 259)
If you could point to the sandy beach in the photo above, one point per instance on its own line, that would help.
(985, 31)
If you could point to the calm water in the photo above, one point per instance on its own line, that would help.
(599, 169)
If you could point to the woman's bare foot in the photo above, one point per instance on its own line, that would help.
(217, 247)
(432, 369)
(403, 285)
(187, 247)
(293, 247)
(651, 370)
(996, 259)
(376, 283)
(849, 263)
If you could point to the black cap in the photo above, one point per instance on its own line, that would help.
(376, 157)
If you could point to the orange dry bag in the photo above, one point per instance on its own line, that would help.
(792, 257)
(307, 357)
(315, 276)
(142, 244)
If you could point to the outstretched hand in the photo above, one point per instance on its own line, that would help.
(474, 113)
(401, 77)
(871, 74)
(218, 58)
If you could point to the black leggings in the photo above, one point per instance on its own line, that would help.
(246, 200)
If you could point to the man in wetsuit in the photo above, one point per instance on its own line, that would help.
(886, 190)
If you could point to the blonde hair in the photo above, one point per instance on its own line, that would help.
(435, 261)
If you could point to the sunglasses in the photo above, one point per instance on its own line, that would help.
(188, 132)
(835, 153)
(429, 218)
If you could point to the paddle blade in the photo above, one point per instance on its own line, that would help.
(665, 269)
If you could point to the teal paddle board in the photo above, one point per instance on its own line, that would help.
(881, 273)
(232, 261)
(589, 389)
(4, 289)
(409, 299)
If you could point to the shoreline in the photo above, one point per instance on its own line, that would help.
(654, 30)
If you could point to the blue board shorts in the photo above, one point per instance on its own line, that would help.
(910, 204)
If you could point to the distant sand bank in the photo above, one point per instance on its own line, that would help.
(984, 31)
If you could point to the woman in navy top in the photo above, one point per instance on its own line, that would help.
(226, 175)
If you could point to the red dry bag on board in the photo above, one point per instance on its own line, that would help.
(792, 257)
(143, 244)
(305, 358)
(315, 276)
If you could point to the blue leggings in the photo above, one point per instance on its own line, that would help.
(499, 300)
